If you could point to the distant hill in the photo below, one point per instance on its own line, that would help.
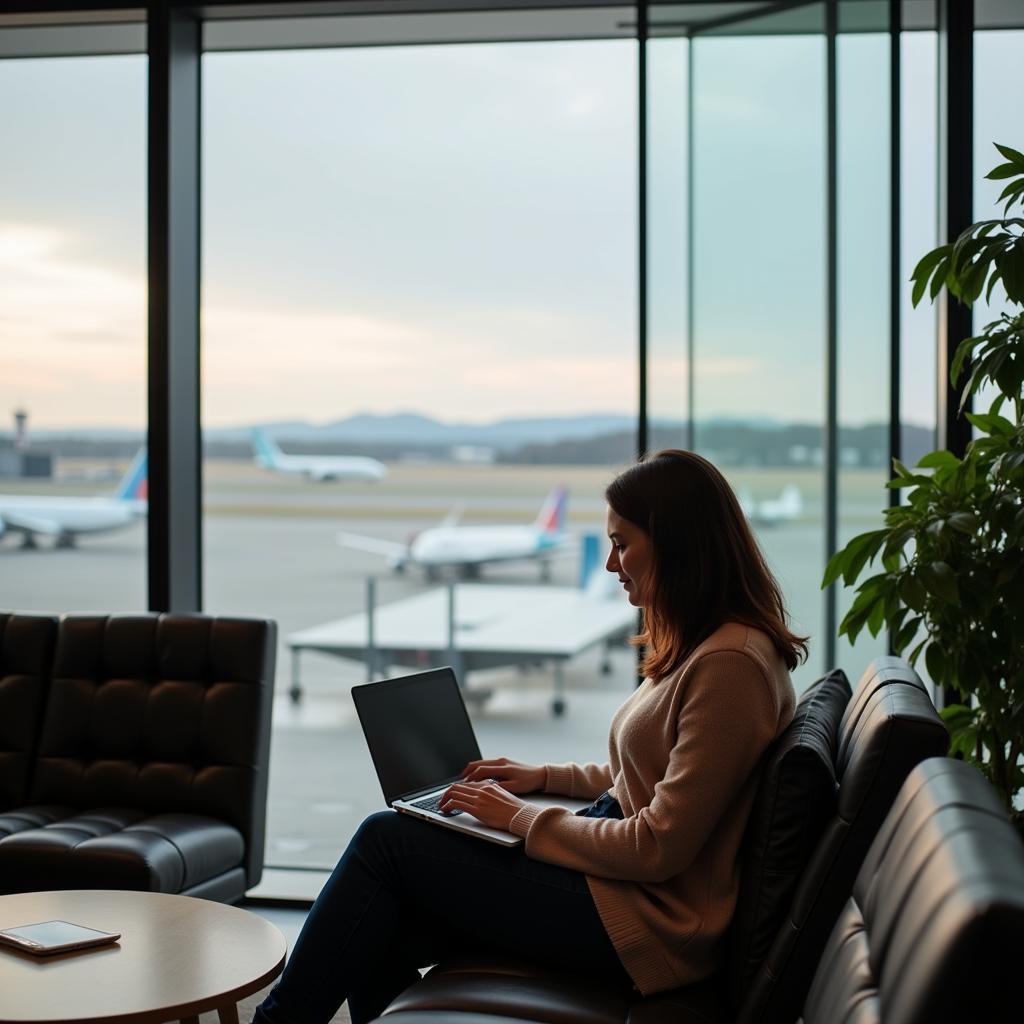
(597, 439)
(734, 443)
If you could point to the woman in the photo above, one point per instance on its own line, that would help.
(642, 886)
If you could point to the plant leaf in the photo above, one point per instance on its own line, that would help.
(940, 579)
(964, 522)
(937, 459)
(958, 716)
(1011, 269)
(904, 637)
(963, 351)
(916, 652)
(877, 618)
(1003, 171)
(923, 271)
(1011, 154)
(935, 662)
(1012, 190)
(940, 278)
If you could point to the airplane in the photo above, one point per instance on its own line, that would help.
(769, 511)
(467, 548)
(64, 518)
(314, 467)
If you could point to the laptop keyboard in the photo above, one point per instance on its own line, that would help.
(433, 803)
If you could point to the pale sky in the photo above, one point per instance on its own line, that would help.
(450, 230)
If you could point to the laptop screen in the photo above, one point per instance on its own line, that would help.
(417, 729)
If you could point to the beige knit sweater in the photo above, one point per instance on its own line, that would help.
(683, 754)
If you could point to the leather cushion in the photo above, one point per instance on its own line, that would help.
(451, 1017)
(118, 848)
(521, 989)
(932, 931)
(796, 796)
(880, 673)
(21, 818)
(889, 727)
(26, 654)
(534, 993)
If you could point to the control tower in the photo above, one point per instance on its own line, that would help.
(18, 458)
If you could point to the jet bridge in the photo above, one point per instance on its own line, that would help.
(473, 626)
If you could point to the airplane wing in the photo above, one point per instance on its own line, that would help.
(33, 524)
(375, 545)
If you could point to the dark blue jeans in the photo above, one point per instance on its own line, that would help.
(404, 893)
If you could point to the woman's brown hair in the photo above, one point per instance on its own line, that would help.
(708, 567)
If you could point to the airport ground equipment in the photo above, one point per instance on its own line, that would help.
(473, 626)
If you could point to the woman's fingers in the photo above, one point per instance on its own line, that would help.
(464, 795)
(488, 773)
(489, 761)
(516, 778)
(460, 791)
(486, 801)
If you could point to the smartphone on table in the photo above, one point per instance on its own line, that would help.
(49, 937)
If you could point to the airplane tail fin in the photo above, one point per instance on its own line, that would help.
(265, 450)
(134, 485)
(551, 518)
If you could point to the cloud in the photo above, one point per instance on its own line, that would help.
(47, 298)
(72, 334)
(455, 364)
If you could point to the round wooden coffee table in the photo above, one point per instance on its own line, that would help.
(177, 957)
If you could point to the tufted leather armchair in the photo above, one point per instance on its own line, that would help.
(149, 766)
(888, 726)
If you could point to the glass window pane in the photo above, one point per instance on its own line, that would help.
(918, 205)
(863, 245)
(759, 293)
(72, 333)
(667, 174)
(425, 256)
(998, 83)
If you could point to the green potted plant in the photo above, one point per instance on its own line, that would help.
(951, 585)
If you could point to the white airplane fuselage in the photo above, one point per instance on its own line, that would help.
(476, 545)
(67, 515)
(322, 468)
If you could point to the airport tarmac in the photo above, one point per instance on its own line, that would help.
(270, 550)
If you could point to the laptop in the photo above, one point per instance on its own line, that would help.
(420, 739)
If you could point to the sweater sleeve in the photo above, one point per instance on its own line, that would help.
(727, 718)
(584, 781)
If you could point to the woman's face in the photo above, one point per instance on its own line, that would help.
(631, 558)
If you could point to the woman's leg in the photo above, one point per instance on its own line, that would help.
(398, 869)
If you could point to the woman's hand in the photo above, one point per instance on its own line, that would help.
(488, 802)
(512, 775)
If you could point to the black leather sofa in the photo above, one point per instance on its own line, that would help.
(826, 787)
(933, 930)
(134, 752)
